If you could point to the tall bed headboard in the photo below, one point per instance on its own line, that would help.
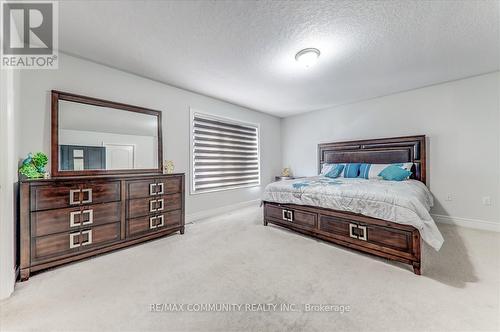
(378, 151)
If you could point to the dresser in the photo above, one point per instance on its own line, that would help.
(67, 219)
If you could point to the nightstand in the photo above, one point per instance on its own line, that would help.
(282, 178)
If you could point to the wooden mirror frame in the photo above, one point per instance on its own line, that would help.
(59, 95)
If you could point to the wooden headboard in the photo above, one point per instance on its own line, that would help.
(377, 151)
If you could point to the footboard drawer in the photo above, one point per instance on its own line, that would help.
(387, 237)
(336, 226)
(288, 215)
(366, 234)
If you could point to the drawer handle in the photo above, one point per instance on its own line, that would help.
(160, 192)
(363, 235)
(152, 224)
(90, 212)
(72, 237)
(152, 189)
(287, 215)
(72, 193)
(152, 206)
(89, 237)
(72, 216)
(351, 231)
(89, 193)
(162, 205)
(162, 221)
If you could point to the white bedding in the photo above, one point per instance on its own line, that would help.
(404, 202)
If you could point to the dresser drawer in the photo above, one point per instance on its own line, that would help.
(172, 184)
(53, 196)
(154, 187)
(53, 246)
(146, 224)
(100, 235)
(142, 188)
(63, 220)
(73, 194)
(284, 214)
(153, 205)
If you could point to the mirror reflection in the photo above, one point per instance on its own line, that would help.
(101, 138)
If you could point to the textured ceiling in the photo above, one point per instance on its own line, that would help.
(243, 51)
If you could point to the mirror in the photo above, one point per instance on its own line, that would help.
(93, 136)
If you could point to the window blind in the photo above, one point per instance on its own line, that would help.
(225, 154)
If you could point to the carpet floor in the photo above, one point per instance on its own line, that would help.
(234, 259)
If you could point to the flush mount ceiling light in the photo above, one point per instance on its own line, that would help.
(307, 57)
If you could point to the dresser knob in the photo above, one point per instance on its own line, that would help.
(88, 233)
(72, 200)
(162, 204)
(72, 215)
(152, 205)
(89, 196)
(152, 189)
(72, 237)
(160, 192)
(162, 221)
(90, 214)
(152, 223)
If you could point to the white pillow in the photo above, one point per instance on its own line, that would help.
(375, 169)
(326, 168)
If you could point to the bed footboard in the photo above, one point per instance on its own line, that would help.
(374, 236)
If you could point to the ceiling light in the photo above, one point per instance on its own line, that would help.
(307, 57)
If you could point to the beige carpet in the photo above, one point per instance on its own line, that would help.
(233, 259)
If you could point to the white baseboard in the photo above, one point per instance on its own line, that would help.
(457, 221)
(468, 223)
(221, 210)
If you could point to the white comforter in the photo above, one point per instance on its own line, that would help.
(404, 202)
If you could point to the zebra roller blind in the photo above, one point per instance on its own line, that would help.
(225, 154)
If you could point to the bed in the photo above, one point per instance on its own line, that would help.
(385, 218)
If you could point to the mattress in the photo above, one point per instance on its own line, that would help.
(403, 202)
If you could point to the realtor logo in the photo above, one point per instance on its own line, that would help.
(29, 34)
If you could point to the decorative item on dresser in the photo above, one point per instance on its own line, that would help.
(109, 190)
(374, 236)
(67, 219)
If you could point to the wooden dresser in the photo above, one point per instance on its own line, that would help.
(67, 219)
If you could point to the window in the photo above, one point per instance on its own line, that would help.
(225, 154)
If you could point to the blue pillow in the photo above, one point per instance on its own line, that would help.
(394, 173)
(364, 170)
(351, 170)
(335, 171)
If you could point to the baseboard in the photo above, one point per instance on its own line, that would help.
(457, 221)
(468, 223)
(221, 210)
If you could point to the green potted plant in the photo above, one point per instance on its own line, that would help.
(33, 166)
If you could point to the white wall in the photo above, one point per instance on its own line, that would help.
(9, 123)
(87, 78)
(460, 118)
